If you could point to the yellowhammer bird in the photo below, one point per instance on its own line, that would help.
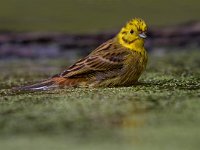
(118, 62)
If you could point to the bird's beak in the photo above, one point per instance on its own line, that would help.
(142, 35)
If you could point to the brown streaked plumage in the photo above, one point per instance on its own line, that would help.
(114, 63)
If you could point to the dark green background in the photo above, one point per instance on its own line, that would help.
(92, 15)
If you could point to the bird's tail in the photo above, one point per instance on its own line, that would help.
(48, 84)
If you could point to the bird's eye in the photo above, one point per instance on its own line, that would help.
(131, 32)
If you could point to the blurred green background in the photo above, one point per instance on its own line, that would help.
(92, 15)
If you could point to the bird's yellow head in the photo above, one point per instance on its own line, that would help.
(132, 35)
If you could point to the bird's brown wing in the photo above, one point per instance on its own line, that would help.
(107, 57)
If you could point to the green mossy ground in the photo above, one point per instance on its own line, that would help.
(162, 112)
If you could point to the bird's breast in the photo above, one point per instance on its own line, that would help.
(135, 65)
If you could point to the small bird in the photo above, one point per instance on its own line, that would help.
(118, 62)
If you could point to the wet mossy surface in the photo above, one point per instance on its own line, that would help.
(160, 112)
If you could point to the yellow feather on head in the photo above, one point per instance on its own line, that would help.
(132, 35)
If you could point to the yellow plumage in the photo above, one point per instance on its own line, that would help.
(118, 62)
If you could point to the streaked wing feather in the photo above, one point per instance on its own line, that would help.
(104, 58)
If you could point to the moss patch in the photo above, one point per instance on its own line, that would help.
(162, 112)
